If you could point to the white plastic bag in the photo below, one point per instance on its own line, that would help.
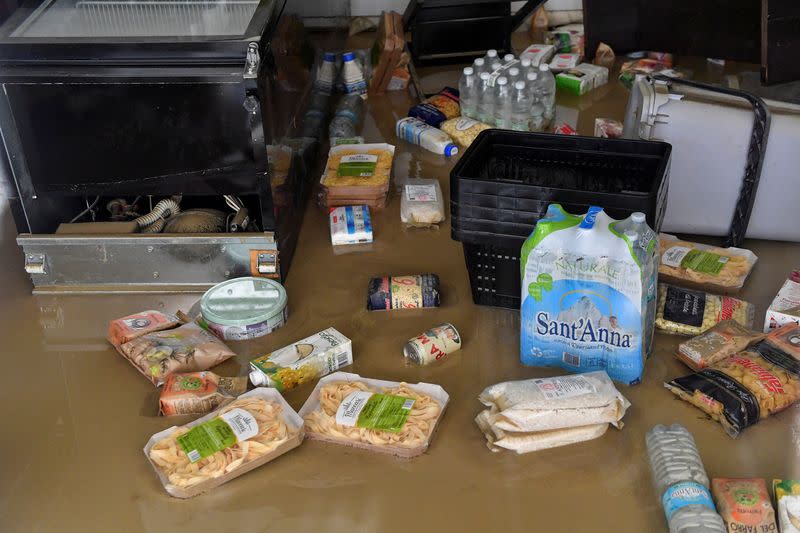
(421, 204)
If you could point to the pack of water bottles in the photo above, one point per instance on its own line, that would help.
(508, 93)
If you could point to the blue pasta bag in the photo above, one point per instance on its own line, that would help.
(585, 294)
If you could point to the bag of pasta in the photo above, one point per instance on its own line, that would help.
(702, 266)
(749, 386)
(254, 429)
(689, 312)
(713, 345)
(381, 416)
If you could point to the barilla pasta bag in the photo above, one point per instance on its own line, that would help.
(588, 293)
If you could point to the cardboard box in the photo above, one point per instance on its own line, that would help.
(785, 308)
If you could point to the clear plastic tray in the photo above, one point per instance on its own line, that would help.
(436, 393)
(291, 418)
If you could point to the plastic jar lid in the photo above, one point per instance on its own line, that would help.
(243, 301)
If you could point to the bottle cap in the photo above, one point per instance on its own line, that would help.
(513, 71)
(468, 71)
(532, 76)
(502, 80)
(508, 57)
(544, 67)
(496, 65)
(491, 53)
(348, 56)
(525, 62)
(519, 85)
(450, 149)
(479, 62)
(485, 75)
(329, 57)
(258, 379)
(631, 235)
(638, 217)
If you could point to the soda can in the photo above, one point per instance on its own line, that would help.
(433, 345)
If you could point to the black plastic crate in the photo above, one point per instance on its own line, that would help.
(505, 180)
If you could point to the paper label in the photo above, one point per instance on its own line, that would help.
(465, 123)
(406, 292)
(705, 262)
(360, 165)
(421, 193)
(683, 494)
(210, 437)
(564, 387)
(684, 307)
(374, 411)
(673, 257)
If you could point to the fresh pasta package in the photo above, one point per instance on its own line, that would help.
(254, 429)
(749, 386)
(380, 416)
(704, 267)
(689, 312)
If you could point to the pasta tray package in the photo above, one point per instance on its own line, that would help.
(354, 169)
(380, 416)
(787, 497)
(704, 267)
(744, 505)
(186, 348)
(421, 205)
(743, 389)
(587, 293)
(689, 312)
(198, 393)
(720, 342)
(254, 429)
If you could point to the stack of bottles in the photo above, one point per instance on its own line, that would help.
(508, 93)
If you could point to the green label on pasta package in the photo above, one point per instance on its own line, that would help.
(217, 434)
(705, 262)
(374, 411)
(359, 165)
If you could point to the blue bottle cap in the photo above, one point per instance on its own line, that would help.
(450, 149)
(329, 57)
(348, 56)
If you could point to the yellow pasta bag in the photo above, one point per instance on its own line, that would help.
(688, 312)
(358, 165)
(705, 267)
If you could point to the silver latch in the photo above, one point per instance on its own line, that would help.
(251, 61)
(34, 263)
(267, 263)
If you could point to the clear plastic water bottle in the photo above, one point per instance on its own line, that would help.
(467, 88)
(524, 67)
(681, 481)
(485, 103)
(513, 76)
(520, 107)
(649, 259)
(537, 120)
(491, 56)
(502, 103)
(479, 65)
(495, 66)
(548, 85)
(347, 116)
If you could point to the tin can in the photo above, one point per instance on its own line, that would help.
(433, 345)
(244, 308)
(403, 292)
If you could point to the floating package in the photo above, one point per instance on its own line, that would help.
(403, 292)
(588, 293)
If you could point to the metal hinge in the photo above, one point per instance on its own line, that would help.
(251, 61)
(34, 263)
(267, 263)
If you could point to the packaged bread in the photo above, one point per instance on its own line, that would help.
(380, 416)
(187, 348)
(747, 387)
(127, 328)
(787, 497)
(744, 505)
(721, 341)
(359, 166)
(254, 429)
(689, 312)
(704, 267)
(463, 130)
(198, 393)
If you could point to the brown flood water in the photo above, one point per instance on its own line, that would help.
(76, 415)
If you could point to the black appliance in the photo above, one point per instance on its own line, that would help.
(155, 98)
